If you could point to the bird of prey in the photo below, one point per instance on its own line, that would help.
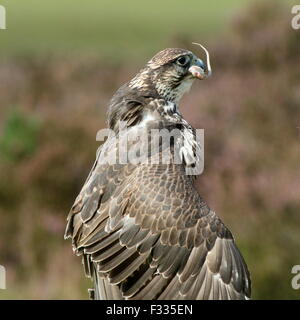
(142, 229)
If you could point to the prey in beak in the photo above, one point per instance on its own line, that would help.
(198, 70)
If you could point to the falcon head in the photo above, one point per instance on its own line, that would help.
(171, 73)
(168, 75)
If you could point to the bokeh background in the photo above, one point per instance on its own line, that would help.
(61, 61)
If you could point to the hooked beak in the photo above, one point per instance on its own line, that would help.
(198, 69)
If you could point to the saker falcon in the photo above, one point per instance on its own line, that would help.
(142, 229)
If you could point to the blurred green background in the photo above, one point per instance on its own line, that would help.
(61, 61)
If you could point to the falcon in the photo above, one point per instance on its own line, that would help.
(142, 229)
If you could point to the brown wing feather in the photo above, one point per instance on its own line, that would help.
(145, 233)
(187, 251)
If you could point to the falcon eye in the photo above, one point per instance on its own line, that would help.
(182, 61)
